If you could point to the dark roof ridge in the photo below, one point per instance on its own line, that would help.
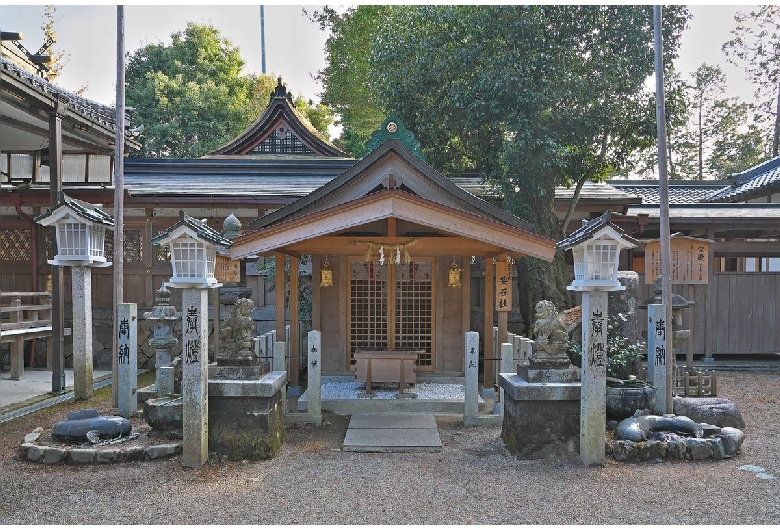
(737, 179)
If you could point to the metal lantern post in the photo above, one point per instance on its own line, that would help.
(193, 247)
(596, 247)
(81, 233)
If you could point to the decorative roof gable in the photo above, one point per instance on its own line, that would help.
(393, 128)
(391, 166)
(280, 130)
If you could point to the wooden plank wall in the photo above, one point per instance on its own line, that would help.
(735, 314)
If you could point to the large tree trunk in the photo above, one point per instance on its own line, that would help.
(538, 279)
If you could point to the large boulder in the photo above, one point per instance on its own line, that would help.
(714, 410)
(79, 423)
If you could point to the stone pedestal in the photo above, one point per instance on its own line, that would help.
(81, 282)
(246, 417)
(541, 420)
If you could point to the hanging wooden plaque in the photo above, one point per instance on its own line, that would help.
(227, 270)
(503, 286)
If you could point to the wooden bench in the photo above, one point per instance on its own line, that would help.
(24, 321)
(386, 367)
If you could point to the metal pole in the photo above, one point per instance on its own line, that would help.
(262, 38)
(119, 235)
(663, 181)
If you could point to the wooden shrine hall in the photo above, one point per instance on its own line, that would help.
(392, 242)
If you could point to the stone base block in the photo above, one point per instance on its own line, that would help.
(541, 420)
(568, 375)
(246, 418)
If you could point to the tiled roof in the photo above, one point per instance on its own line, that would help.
(199, 227)
(90, 109)
(680, 192)
(742, 186)
(589, 228)
(83, 209)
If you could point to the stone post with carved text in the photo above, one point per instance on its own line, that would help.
(194, 385)
(593, 406)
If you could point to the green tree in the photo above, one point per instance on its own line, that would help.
(192, 97)
(345, 77)
(530, 96)
(708, 83)
(740, 144)
(756, 46)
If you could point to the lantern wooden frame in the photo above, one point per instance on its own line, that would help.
(80, 230)
(193, 246)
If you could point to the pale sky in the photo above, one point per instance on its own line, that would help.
(294, 45)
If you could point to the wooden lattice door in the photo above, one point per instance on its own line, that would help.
(397, 318)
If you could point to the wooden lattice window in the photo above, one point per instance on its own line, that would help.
(414, 309)
(282, 141)
(400, 318)
(133, 245)
(367, 307)
(15, 245)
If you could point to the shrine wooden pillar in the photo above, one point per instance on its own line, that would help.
(487, 339)
(281, 319)
(293, 339)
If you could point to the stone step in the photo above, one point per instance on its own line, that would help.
(392, 432)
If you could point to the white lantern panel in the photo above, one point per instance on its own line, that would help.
(191, 258)
(72, 240)
(97, 241)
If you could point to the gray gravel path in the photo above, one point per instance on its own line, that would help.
(474, 480)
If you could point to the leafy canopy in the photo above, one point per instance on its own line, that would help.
(529, 97)
(192, 97)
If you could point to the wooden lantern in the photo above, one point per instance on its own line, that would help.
(81, 232)
(596, 246)
(193, 246)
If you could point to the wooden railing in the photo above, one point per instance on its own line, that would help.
(24, 316)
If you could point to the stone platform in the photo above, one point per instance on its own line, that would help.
(392, 433)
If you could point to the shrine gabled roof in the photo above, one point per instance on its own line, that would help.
(390, 165)
(282, 119)
(335, 220)
(680, 191)
(759, 180)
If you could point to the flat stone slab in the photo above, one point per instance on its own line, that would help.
(391, 432)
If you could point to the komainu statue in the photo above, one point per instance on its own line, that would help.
(550, 335)
(236, 346)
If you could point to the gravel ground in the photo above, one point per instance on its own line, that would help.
(474, 480)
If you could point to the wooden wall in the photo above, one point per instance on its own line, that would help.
(735, 314)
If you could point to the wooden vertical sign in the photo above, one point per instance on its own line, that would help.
(503, 286)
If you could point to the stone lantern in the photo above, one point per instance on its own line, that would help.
(596, 246)
(81, 235)
(81, 232)
(193, 245)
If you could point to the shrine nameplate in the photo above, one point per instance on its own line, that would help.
(227, 270)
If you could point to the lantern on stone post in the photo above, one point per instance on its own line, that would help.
(596, 246)
(81, 235)
(194, 245)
